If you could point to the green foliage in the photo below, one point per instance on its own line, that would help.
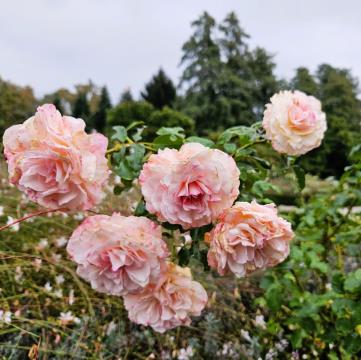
(126, 113)
(338, 92)
(160, 91)
(16, 104)
(100, 116)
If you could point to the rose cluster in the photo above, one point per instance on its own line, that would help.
(126, 256)
(59, 166)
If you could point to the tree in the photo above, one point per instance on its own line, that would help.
(126, 96)
(160, 91)
(100, 116)
(81, 109)
(202, 62)
(235, 75)
(304, 81)
(338, 92)
(262, 79)
(16, 104)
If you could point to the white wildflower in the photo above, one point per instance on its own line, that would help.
(43, 243)
(1, 210)
(5, 316)
(78, 216)
(185, 354)
(56, 257)
(67, 318)
(112, 326)
(328, 286)
(48, 287)
(15, 227)
(259, 321)
(59, 279)
(37, 264)
(71, 297)
(245, 335)
(58, 293)
(61, 242)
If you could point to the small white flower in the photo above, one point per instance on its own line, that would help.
(5, 316)
(15, 227)
(61, 242)
(245, 335)
(259, 321)
(78, 216)
(43, 243)
(56, 257)
(59, 279)
(117, 180)
(328, 286)
(48, 287)
(58, 293)
(112, 326)
(71, 297)
(37, 264)
(187, 238)
(185, 354)
(68, 317)
(1, 210)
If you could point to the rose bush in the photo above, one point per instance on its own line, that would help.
(186, 183)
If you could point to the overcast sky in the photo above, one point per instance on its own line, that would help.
(57, 43)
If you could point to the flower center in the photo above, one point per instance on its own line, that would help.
(301, 117)
(191, 195)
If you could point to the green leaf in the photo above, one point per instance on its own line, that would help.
(206, 142)
(300, 176)
(297, 338)
(120, 133)
(174, 132)
(170, 141)
(183, 256)
(353, 281)
(134, 124)
(140, 209)
(125, 171)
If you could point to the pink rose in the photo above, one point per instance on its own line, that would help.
(169, 303)
(248, 237)
(53, 160)
(294, 122)
(118, 254)
(190, 187)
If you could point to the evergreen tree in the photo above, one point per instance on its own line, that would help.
(160, 91)
(202, 64)
(81, 109)
(58, 104)
(100, 116)
(304, 81)
(235, 75)
(263, 81)
(338, 91)
(126, 96)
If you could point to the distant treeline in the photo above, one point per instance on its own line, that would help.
(224, 83)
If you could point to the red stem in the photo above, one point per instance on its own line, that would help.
(42, 212)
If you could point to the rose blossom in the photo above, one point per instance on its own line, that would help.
(248, 237)
(294, 122)
(53, 160)
(190, 187)
(170, 302)
(118, 254)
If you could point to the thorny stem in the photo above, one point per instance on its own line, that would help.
(38, 213)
